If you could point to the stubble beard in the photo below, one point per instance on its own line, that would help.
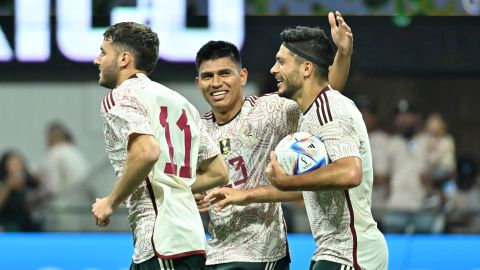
(288, 93)
(109, 77)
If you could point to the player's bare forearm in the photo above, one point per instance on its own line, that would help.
(222, 197)
(211, 173)
(266, 194)
(338, 73)
(142, 155)
(344, 173)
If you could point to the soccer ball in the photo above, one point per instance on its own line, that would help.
(301, 152)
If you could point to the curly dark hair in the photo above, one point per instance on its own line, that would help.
(138, 39)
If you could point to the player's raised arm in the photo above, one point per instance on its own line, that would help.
(343, 38)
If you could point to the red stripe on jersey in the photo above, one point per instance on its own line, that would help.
(104, 105)
(327, 104)
(318, 112)
(322, 102)
(111, 98)
(181, 255)
(353, 231)
(207, 115)
(252, 100)
(107, 101)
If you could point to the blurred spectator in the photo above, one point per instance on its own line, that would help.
(379, 142)
(64, 176)
(463, 205)
(17, 188)
(409, 208)
(441, 153)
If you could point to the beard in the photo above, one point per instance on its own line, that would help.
(291, 85)
(109, 76)
(288, 93)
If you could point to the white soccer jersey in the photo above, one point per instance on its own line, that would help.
(162, 209)
(341, 220)
(256, 232)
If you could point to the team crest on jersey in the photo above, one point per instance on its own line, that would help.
(225, 146)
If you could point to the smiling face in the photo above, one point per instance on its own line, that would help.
(287, 72)
(108, 64)
(221, 83)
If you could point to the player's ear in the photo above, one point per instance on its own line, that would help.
(307, 68)
(244, 76)
(125, 59)
(197, 83)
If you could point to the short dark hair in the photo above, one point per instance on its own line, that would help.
(311, 44)
(138, 39)
(213, 50)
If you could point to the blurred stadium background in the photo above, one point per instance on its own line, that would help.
(423, 50)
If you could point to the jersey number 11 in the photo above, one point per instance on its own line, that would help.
(182, 123)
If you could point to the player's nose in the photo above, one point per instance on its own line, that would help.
(217, 81)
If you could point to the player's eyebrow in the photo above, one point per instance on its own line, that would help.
(220, 71)
(206, 74)
(225, 70)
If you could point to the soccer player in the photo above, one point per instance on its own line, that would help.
(154, 139)
(251, 236)
(337, 196)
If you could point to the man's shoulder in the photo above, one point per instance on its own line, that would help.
(272, 100)
(336, 103)
(336, 96)
(263, 98)
(208, 118)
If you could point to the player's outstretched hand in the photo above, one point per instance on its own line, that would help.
(223, 197)
(202, 204)
(102, 210)
(275, 173)
(341, 34)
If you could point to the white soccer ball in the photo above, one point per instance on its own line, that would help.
(301, 152)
